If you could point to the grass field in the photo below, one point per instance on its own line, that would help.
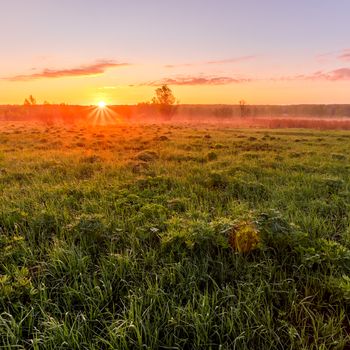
(174, 237)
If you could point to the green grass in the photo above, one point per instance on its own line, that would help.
(118, 238)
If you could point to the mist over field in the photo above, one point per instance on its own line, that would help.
(294, 116)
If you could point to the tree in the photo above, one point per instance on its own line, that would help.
(243, 107)
(30, 101)
(165, 101)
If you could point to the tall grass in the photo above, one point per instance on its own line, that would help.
(121, 238)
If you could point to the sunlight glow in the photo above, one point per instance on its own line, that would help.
(101, 104)
(101, 114)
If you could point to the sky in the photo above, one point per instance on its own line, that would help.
(207, 51)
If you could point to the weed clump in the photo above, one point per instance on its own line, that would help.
(218, 180)
(153, 212)
(161, 138)
(89, 231)
(155, 184)
(85, 171)
(277, 233)
(244, 237)
(212, 156)
(194, 235)
(137, 167)
(248, 190)
(177, 204)
(44, 226)
(338, 156)
(16, 286)
(333, 184)
(340, 288)
(92, 159)
(147, 156)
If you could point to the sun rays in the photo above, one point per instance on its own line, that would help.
(103, 115)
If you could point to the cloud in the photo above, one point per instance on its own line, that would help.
(197, 80)
(96, 68)
(217, 62)
(334, 75)
(340, 74)
(325, 57)
(232, 60)
(345, 55)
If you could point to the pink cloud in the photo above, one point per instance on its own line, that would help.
(85, 70)
(325, 57)
(337, 74)
(345, 55)
(215, 62)
(340, 74)
(232, 60)
(197, 80)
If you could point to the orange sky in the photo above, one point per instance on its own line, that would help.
(87, 90)
(81, 52)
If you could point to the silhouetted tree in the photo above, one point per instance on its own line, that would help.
(243, 107)
(165, 101)
(30, 101)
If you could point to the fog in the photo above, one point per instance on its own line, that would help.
(294, 116)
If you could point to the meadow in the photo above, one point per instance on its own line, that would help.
(173, 237)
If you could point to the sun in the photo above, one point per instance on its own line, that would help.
(101, 104)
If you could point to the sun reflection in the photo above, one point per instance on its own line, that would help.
(101, 114)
